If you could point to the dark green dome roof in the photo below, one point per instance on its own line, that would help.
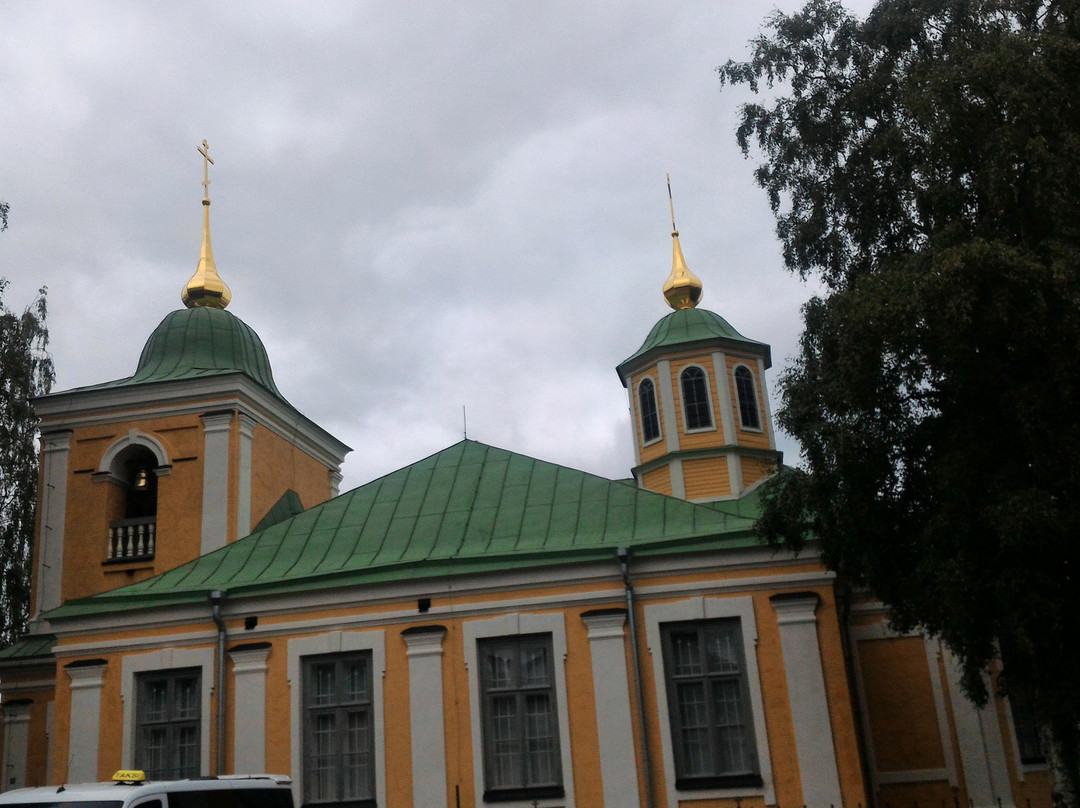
(203, 341)
(690, 327)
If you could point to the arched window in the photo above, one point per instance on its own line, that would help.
(695, 395)
(136, 466)
(650, 416)
(747, 394)
(132, 535)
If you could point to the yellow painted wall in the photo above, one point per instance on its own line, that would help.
(754, 469)
(91, 504)
(706, 477)
(658, 480)
(277, 466)
(900, 704)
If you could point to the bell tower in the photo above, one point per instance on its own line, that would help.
(145, 473)
(699, 407)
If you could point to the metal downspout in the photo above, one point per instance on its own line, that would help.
(623, 555)
(217, 597)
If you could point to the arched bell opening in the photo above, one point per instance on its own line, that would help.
(133, 507)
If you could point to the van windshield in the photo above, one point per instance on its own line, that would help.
(232, 798)
(66, 804)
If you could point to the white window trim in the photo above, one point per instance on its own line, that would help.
(700, 608)
(641, 416)
(164, 660)
(507, 626)
(336, 642)
(134, 437)
(757, 398)
(708, 400)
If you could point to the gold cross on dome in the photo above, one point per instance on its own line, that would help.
(204, 150)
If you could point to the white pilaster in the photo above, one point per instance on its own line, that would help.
(723, 394)
(16, 740)
(249, 707)
(87, 680)
(243, 489)
(667, 405)
(425, 652)
(607, 646)
(636, 435)
(814, 748)
(52, 499)
(215, 505)
(982, 753)
(765, 406)
(335, 482)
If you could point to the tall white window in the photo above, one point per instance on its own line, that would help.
(339, 759)
(746, 393)
(168, 723)
(709, 703)
(650, 415)
(695, 396)
(520, 722)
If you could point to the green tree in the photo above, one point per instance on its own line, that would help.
(924, 166)
(26, 370)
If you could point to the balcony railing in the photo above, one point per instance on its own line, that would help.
(132, 539)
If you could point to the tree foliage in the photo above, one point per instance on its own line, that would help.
(924, 165)
(26, 370)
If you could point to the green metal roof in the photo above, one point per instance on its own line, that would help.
(468, 509)
(197, 342)
(686, 327)
(30, 647)
(288, 505)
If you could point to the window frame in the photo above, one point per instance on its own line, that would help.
(702, 406)
(166, 659)
(513, 624)
(340, 708)
(710, 608)
(1026, 730)
(336, 642)
(753, 392)
(172, 723)
(708, 679)
(653, 416)
(519, 691)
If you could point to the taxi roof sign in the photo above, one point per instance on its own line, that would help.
(129, 776)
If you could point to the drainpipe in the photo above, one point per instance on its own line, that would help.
(623, 555)
(217, 597)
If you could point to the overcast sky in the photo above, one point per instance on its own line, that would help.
(418, 206)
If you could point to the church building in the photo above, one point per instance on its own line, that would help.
(476, 629)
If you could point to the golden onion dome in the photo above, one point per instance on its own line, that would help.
(682, 289)
(205, 287)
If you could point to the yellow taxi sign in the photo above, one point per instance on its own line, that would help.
(129, 776)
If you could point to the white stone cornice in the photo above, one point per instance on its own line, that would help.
(88, 407)
(86, 676)
(796, 608)
(249, 660)
(608, 624)
(423, 642)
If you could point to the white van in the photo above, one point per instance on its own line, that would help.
(131, 789)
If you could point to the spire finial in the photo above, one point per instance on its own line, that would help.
(205, 287)
(671, 205)
(682, 289)
(204, 150)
